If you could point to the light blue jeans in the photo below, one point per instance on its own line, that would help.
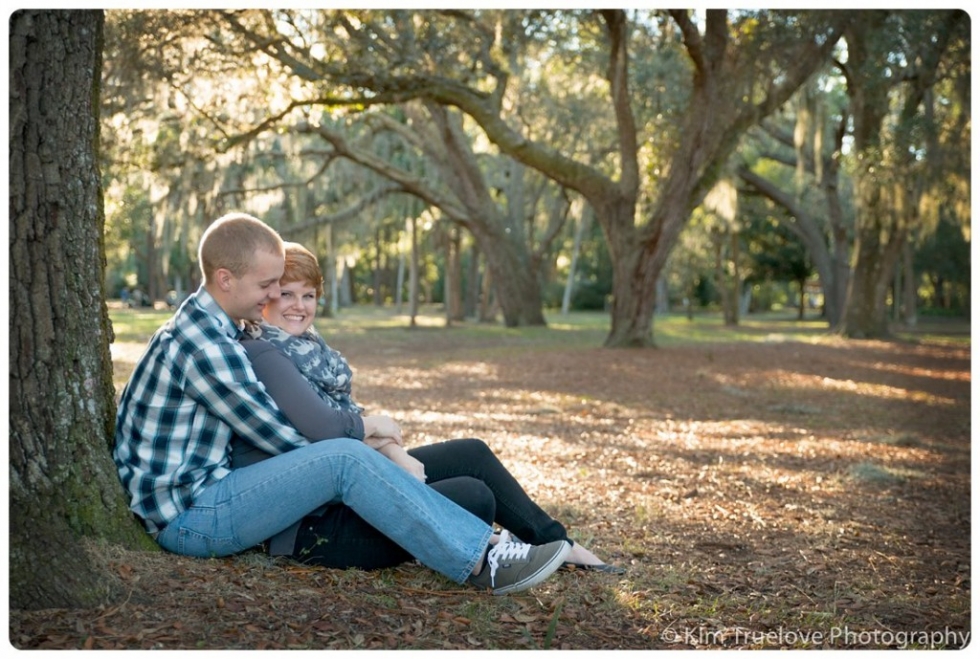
(254, 503)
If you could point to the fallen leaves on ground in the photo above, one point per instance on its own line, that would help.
(772, 494)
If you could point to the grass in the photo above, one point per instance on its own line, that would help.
(578, 328)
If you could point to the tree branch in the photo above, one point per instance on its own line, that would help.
(692, 39)
(348, 213)
(618, 75)
(407, 182)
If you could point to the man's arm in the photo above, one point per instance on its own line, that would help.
(220, 378)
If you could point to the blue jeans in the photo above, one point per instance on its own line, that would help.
(463, 470)
(254, 503)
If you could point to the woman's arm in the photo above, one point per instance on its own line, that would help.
(400, 457)
(307, 412)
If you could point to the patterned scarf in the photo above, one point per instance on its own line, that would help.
(323, 367)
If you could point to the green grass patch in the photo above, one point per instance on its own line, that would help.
(137, 325)
(579, 328)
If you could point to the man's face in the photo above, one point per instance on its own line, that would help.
(248, 294)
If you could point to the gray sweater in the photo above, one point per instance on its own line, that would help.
(304, 408)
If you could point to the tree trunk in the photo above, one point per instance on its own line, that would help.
(632, 306)
(400, 281)
(413, 271)
(498, 235)
(516, 289)
(329, 266)
(454, 277)
(876, 235)
(472, 283)
(63, 483)
(635, 274)
(488, 301)
(515, 286)
(876, 248)
(910, 292)
(831, 263)
(376, 274)
(718, 246)
(345, 293)
(584, 217)
(732, 315)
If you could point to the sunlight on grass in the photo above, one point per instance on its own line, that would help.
(883, 391)
(575, 328)
(790, 380)
(137, 324)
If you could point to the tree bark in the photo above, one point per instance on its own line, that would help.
(454, 277)
(63, 483)
(884, 191)
(584, 218)
(910, 292)
(413, 270)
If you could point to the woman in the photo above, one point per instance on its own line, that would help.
(311, 383)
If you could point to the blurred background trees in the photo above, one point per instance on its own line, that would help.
(504, 162)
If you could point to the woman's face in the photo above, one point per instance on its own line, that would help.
(295, 308)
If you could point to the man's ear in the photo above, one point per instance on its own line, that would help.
(223, 278)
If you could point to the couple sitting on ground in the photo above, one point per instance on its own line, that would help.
(237, 428)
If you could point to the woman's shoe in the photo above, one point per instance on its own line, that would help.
(599, 567)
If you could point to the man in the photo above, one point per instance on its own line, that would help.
(194, 389)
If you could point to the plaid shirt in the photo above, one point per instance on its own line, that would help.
(190, 393)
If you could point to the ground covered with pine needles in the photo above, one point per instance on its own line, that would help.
(778, 490)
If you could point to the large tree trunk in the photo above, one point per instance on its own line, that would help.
(887, 192)
(454, 277)
(866, 313)
(712, 125)
(878, 242)
(496, 233)
(63, 483)
(635, 274)
(514, 284)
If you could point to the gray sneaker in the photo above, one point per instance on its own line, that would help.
(514, 566)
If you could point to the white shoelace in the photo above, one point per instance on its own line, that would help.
(505, 549)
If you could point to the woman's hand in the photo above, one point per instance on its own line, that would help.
(378, 443)
(381, 426)
(400, 457)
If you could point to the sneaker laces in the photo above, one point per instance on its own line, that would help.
(505, 549)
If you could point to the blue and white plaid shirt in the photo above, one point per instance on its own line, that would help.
(190, 393)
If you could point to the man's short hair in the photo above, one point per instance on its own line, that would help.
(231, 242)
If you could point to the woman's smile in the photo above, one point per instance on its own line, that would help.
(295, 308)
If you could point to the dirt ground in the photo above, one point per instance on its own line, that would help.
(773, 494)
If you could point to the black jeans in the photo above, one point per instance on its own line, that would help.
(464, 470)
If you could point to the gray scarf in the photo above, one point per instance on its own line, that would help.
(324, 368)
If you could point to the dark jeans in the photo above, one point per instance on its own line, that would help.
(464, 470)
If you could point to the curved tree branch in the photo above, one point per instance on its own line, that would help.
(348, 213)
(618, 75)
(407, 182)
